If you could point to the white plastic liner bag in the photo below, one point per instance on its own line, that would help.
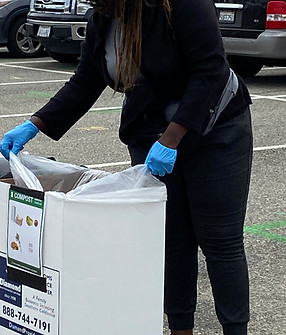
(134, 184)
(45, 174)
(23, 177)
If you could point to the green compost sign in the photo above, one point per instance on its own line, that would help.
(267, 230)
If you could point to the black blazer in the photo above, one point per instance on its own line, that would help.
(183, 59)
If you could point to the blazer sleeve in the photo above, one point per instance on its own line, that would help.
(197, 33)
(77, 96)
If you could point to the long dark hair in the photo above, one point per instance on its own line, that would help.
(129, 53)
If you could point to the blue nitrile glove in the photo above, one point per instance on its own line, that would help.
(16, 138)
(161, 159)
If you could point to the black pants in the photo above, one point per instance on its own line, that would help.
(207, 195)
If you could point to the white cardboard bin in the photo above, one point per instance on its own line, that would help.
(103, 263)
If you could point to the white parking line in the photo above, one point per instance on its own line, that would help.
(281, 98)
(269, 97)
(97, 109)
(270, 147)
(14, 115)
(101, 109)
(34, 82)
(32, 62)
(35, 69)
(273, 68)
(102, 165)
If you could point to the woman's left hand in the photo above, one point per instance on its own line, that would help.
(160, 159)
(162, 156)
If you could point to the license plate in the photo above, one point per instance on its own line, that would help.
(226, 16)
(44, 31)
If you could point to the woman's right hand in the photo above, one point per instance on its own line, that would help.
(15, 139)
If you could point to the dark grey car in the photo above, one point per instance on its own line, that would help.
(13, 33)
(254, 33)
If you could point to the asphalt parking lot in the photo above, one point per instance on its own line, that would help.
(25, 85)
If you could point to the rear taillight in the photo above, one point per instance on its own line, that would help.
(276, 15)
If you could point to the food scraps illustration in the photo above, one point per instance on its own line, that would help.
(15, 245)
(29, 220)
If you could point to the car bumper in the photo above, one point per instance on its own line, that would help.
(271, 44)
(69, 30)
(64, 37)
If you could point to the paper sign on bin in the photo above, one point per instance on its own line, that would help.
(25, 229)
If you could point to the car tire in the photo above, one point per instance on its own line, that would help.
(63, 58)
(245, 67)
(20, 43)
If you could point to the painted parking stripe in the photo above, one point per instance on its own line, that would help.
(281, 98)
(34, 82)
(269, 97)
(273, 68)
(106, 109)
(102, 165)
(35, 69)
(32, 62)
(273, 147)
(118, 108)
(266, 68)
(270, 147)
(98, 109)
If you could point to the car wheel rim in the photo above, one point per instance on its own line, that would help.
(25, 42)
